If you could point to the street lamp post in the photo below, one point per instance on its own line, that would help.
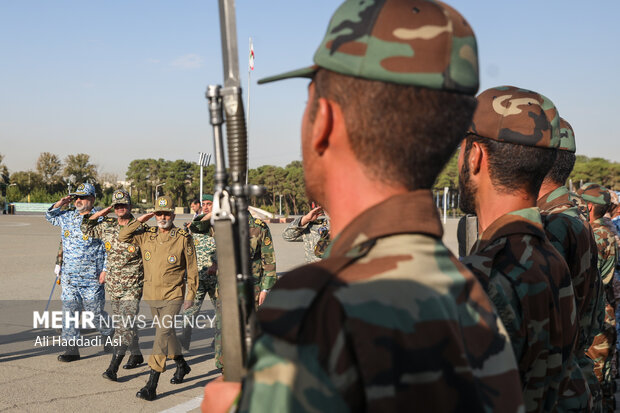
(157, 189)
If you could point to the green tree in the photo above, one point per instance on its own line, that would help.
(49, 167)
(79, 169)
(4, 171)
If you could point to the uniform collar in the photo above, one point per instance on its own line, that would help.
(411, 212)
(557, 197)
(525, 221)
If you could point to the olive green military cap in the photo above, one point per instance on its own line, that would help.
(595, 194)
(515, 115)
(567, 137)
(422, 43)
(207, 197)
(120, 196)
(164, 203)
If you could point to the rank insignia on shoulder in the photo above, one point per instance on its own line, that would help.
(147, 255)
(190, 250)
(172, 259)
(67, 233)
(152, 229)
(109, 219)
(131, 249)
(108, 245)
(183, 232)
(267, 241)
(85, 237)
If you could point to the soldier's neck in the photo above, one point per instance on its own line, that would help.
(547, 187)
(491, 205)
(123, 221)
(166, 230)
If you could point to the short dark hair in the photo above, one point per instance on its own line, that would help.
(599, 210)
(562, 167)
(195, 201)
(514, 167)
(401, 133)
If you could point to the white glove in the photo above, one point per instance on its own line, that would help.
(57, 270)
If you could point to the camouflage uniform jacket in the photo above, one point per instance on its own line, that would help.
(607, 249)
(83, 256)
(572, 237)
(205, 253)
(530, 285)
(391, 321)
(309, 233)
(125, 272)
(262, 256)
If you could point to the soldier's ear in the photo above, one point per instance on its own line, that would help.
(477, 156)
(323, 125)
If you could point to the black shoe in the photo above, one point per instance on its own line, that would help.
(182, 369)
(134, 361)
(117, 358)
(148, 392)
(186, 337)
(70, 354)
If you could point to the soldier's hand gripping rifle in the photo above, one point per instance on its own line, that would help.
(230, 206)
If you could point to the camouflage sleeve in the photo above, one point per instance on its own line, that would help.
(607, 260)
(192, 268)
(294, 231)
(284, 377)
(55, 216)
(132, 233)
(268, 260)
(91, 227)
(200, 227)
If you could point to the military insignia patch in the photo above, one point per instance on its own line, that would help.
(163, 202)
(257, 221)
(81, 187)
(147, 256)
(85, 237)
(267, 241)
(190, 250)
(131, 248)
(108, 245)
(119, 195)
(67, 233)
(172, 259)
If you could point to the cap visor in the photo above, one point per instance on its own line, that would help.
(307, 72)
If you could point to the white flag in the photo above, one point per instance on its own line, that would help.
(251, 55)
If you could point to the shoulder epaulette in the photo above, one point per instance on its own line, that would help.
(152, 229)
(109, 219)
(183, 232)
(259, 222)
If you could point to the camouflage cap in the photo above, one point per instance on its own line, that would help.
(520, 116)
(84, 189)
(412, 42)
(567, 137)
(595, 194)
(120, 196)
(164, 203)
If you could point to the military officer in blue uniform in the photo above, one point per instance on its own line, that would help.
(83, 267)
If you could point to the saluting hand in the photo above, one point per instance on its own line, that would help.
(146, 217)
(63, 201)
(312, 215)
(101, 213)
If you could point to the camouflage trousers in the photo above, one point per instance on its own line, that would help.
(126, 309)
(601, 352)
(587, 367)
(83, 298)
(207, 284)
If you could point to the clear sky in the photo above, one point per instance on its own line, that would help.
(124, 80)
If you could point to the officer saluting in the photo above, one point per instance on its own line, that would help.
(167, 252)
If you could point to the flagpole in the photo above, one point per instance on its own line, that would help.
(247, 118)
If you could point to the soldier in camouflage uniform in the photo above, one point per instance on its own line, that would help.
(390, 321)
(311, 228)
(206, 259)
(124, 278)
(262, 259)
(602, 349)
(83, 266)
(571, 235)
(508, 150)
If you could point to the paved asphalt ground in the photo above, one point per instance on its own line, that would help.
(32, 379)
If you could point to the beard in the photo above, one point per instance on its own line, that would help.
(164, 223)
(82, 207)
(467, 191)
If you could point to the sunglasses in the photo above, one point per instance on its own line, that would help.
(119, 206)
(81, 197)
(160, 213)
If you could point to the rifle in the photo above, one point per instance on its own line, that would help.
(230, 205)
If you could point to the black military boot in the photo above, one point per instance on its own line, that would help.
(148, 392)
(72, 353)
(117, 358)
(186, 337)
(182, 369)
(135, 358)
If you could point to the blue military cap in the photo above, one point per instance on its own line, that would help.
(84, 189)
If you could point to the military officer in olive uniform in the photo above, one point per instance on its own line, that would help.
(168, 253)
